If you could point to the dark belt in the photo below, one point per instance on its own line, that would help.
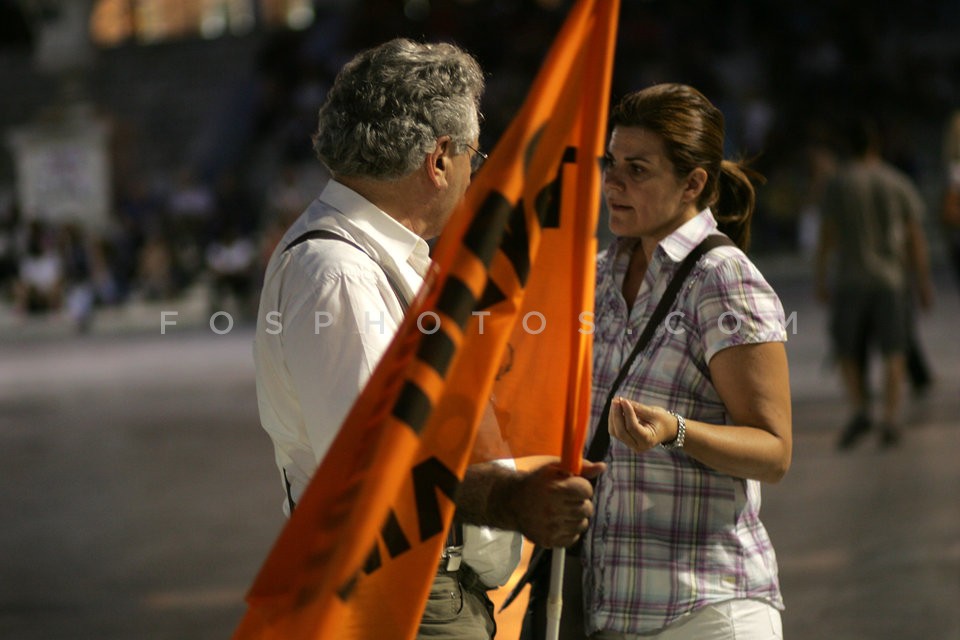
(452, 556)
(466, 576)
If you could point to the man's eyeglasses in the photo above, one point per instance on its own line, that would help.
(477, 159)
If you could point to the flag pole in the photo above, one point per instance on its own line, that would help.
(555, 598)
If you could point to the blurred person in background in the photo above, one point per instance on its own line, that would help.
(232, 262)
(398, 132)
(871, 226)
(191, 210)
(80, 295)
(950, 213)
(8, 244)
(155, 276)
(39, 285)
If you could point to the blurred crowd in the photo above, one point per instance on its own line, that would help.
(164, 240)
(784, 73)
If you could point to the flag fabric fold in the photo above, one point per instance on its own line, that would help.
(492, 360)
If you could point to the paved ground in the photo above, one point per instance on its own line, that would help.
(139, 494)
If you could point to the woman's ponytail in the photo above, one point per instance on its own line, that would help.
(736, 201)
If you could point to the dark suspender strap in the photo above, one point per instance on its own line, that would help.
(325, 234)
(455, 533)
(601, 437)
(290, 502)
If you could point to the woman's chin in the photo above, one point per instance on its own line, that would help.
(618, 228)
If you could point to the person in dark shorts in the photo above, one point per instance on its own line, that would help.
(872, 226)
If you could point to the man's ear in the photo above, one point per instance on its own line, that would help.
(435, 164)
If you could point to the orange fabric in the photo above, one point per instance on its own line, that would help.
(542, 394)
(357, 557)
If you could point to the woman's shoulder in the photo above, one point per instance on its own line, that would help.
(730, 265)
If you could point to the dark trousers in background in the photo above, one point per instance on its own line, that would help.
(919, 374)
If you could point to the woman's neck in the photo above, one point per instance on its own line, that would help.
(636, 271)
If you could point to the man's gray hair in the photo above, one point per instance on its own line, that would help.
(389, 104)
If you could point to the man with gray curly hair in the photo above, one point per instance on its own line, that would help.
(398, 133)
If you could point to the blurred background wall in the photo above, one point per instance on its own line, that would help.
(152, 151)
(143, 139)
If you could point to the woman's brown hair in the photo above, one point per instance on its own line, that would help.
(692, 130)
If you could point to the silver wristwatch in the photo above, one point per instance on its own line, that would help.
(677, 443)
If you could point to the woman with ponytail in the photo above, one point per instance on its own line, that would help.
(702, 415)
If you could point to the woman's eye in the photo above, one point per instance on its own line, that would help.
(607, 163)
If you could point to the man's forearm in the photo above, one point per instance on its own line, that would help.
(484, 496)
(548, 505)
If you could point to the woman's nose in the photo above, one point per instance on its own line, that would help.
(611, 179)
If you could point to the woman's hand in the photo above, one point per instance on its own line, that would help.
(753, 382)
(639, 426)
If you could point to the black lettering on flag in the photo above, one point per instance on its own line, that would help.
(396, 542)
(516, 243)
(346, 590)
(483, 236)
(516, 240)
(394, 539)
(413, 406)
(492, 294)
(550, 197)
(373, 561)
(456, 301)
(428, 476)
(437, 349)
(393, 536)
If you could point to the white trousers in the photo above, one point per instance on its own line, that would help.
(731, 620)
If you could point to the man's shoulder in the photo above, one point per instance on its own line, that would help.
(901, 180)
(330, 255)
(303, 264)
(323, 236)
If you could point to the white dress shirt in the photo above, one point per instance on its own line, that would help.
(327, 315)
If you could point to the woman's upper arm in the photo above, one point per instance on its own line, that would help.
(743, 330)
(753, 382)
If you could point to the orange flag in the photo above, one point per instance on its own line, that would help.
(545, 377)
(358, 556)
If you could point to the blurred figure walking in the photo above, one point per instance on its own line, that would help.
(871, 224)
(950, 213)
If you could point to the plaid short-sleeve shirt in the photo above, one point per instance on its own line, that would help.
(671, 535)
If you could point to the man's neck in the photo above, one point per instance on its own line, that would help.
(396, 198)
